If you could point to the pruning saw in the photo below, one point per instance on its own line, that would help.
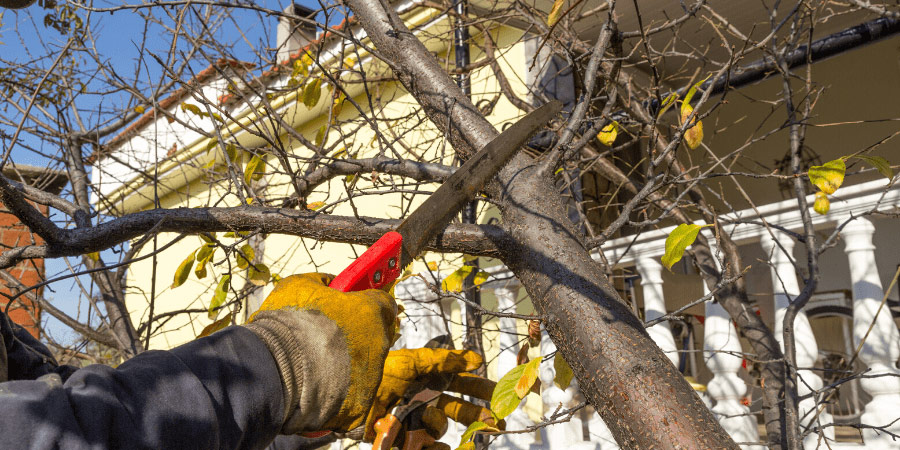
(383, 262)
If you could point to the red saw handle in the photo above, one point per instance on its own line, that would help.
(377, 267)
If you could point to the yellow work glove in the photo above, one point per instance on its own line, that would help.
(432, 367)
(330, 348)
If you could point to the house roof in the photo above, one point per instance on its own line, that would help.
(174, 97)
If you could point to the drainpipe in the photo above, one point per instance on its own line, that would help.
(473, 338)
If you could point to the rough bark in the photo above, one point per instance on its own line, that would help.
(643, 399)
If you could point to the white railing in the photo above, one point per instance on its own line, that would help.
(879, 352)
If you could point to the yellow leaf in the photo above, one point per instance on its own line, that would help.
(219, 296)
(529, 376)
(829, 176)
(454, 282)
(563, 372)
(690, 94)
(217, 117)
(879, 163)
(469, 434)
(822, 204)
(667, 103)
(504, 399)
(216, 326)
(608, 134)
(251, 172)
(259, 274)
(480, 277)
(432, 265)
(678, 241)
(315, 205)
(139, 109)
(694, 135)
(183, 270)
(204, 254)
(312, 92)
(94, 256)
(188, 107)
(245, 256)
(555, 11)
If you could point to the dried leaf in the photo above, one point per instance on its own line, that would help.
(563, 372)
(216, 326)
(183, 270)
(315, 205)
(829, 176)
(822, 204)
(678, 241)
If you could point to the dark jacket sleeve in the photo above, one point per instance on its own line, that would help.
(222, 391)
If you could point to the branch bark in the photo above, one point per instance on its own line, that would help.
(643, 399)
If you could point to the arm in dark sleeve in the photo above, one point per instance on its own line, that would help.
(222, 391)
(26, 357)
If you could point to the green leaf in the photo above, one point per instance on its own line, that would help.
(469, 434)
(219, 296)
(880, 164)
(555, 12)
(209, 238)
(259, 274)
(454, 282)
(312, 92)
(678, 241)
(320, 136)
(467, 446)
(608, 134)
(183, 270)
(690, 94)
(829, 176)
(504, 399)
(822, 204)
(666, 104)
(564, 373)
(245, 256)
(529, 376)
(480, 277)
(216, 326)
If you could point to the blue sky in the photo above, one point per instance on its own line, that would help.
(119, 41)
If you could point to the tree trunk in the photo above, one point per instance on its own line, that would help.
(641, 396)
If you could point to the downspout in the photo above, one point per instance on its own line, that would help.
(473, 339)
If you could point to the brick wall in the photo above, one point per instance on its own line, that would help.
(14, 234)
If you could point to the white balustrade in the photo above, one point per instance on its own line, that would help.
(650, 270)
(785, 288)
(722, 350)
(881, 347)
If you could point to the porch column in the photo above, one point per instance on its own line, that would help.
(722, 351)
(785, 288)
(506, 361)
(882, 340)
(650, 270)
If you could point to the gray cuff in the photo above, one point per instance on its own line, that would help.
(313, 361)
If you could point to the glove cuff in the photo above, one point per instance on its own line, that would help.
(313, 361)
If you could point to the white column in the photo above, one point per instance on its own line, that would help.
(785, 288)
(722, 351)
(882, 345)
(650, 270)
(506, 361)
(568, 435)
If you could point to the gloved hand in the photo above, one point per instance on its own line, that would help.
(432, 367)
(330, 348)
